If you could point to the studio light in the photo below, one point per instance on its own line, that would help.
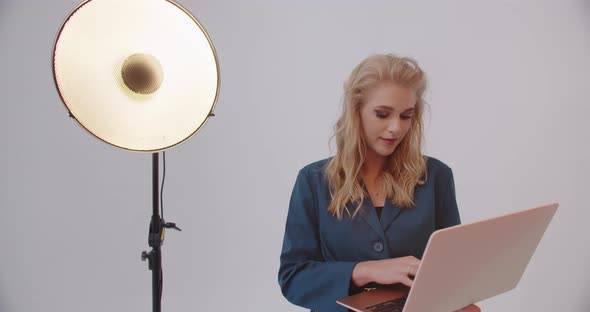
(141, 75)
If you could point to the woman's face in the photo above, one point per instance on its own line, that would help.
(386, 116)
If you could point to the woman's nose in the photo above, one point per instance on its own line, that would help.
(394, 126)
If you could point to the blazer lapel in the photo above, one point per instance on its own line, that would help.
(368, 213)
(389, 214)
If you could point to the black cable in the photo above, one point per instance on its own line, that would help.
(162, 186)
(162, 214)
(161, 284)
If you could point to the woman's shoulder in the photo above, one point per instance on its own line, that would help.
(316, 167)
(314, 174)
(436, 166)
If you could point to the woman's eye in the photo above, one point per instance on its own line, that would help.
(405, 117)
(381, 114)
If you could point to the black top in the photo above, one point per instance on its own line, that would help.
(378, 209)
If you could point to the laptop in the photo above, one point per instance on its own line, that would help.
(464, 264)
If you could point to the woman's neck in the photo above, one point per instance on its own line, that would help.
(373, 167)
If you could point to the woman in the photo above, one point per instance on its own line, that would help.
(363, 217)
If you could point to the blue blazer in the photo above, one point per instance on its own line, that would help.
(319, 251)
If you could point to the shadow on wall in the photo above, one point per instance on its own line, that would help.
(585, 5)
(585, 304)
(3, 305)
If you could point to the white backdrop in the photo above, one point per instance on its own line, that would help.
(508, 112)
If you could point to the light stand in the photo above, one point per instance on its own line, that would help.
(126, 80)
(156, 238)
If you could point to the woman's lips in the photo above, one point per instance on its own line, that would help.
(389, 141)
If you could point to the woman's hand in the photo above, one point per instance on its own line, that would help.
(386, 272)
(392, 271)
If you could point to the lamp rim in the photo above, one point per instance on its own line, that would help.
(209, 114)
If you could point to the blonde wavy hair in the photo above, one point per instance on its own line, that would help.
(405, 167)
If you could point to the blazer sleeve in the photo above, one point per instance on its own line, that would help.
(447, 212)
(305, 278)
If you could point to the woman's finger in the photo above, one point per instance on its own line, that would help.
(470, 308)
(406, 281)
(412, 270)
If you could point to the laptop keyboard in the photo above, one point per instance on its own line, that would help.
(393, 305)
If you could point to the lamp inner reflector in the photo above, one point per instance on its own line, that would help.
(142, 73)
